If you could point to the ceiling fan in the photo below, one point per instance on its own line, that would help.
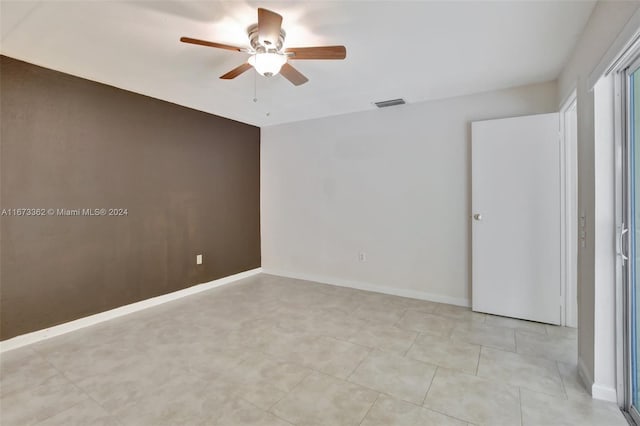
(267, 54)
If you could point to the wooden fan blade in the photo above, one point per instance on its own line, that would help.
(293, 75)
(209, 44)
(269, 25)
(236, 71)
(319, 52)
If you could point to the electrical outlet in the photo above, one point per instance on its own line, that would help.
(199, 259)
(362, 257)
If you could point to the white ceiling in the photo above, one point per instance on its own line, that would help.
(418, 50)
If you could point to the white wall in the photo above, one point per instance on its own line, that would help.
(392, 183)
(604, 336)
(606, 22)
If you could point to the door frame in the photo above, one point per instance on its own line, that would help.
(569, 213)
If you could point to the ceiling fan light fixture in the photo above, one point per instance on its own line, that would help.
(268, 63)
(268, 56)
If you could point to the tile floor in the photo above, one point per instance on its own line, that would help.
(276, 351)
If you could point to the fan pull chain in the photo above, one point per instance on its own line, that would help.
(255, 86)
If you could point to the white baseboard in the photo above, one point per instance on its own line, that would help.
(597, 391)
(604, 393)
(414, 294)
(37, 336)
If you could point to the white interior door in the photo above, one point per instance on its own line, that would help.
(516, 217)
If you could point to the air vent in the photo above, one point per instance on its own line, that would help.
(392, 102)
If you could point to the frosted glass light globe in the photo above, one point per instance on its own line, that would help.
(268, 64)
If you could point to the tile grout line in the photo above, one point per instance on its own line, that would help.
(433, 378)
(529, 389)
(82, 391)
(323, 373)
(367, 387)
(404, 313)
(262, 409)
(478, 362)
(347, 379)
(315, 370)
(520, 399)
(367, 413)
(286, 393)
(434, 409)
(564, 388)
(415, 339)
(449, 415)
(56, 413)
(42, 379)
(348, 341)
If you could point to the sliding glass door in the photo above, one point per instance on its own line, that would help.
(630, 236)
(634, 147)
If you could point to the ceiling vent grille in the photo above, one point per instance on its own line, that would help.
(392, 102)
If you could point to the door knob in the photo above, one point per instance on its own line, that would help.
(477, 216)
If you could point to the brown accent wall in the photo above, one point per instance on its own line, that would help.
(189, 180)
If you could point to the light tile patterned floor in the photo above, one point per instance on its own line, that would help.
(276, 351)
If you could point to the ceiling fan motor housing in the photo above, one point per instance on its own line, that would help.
(267, 45)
